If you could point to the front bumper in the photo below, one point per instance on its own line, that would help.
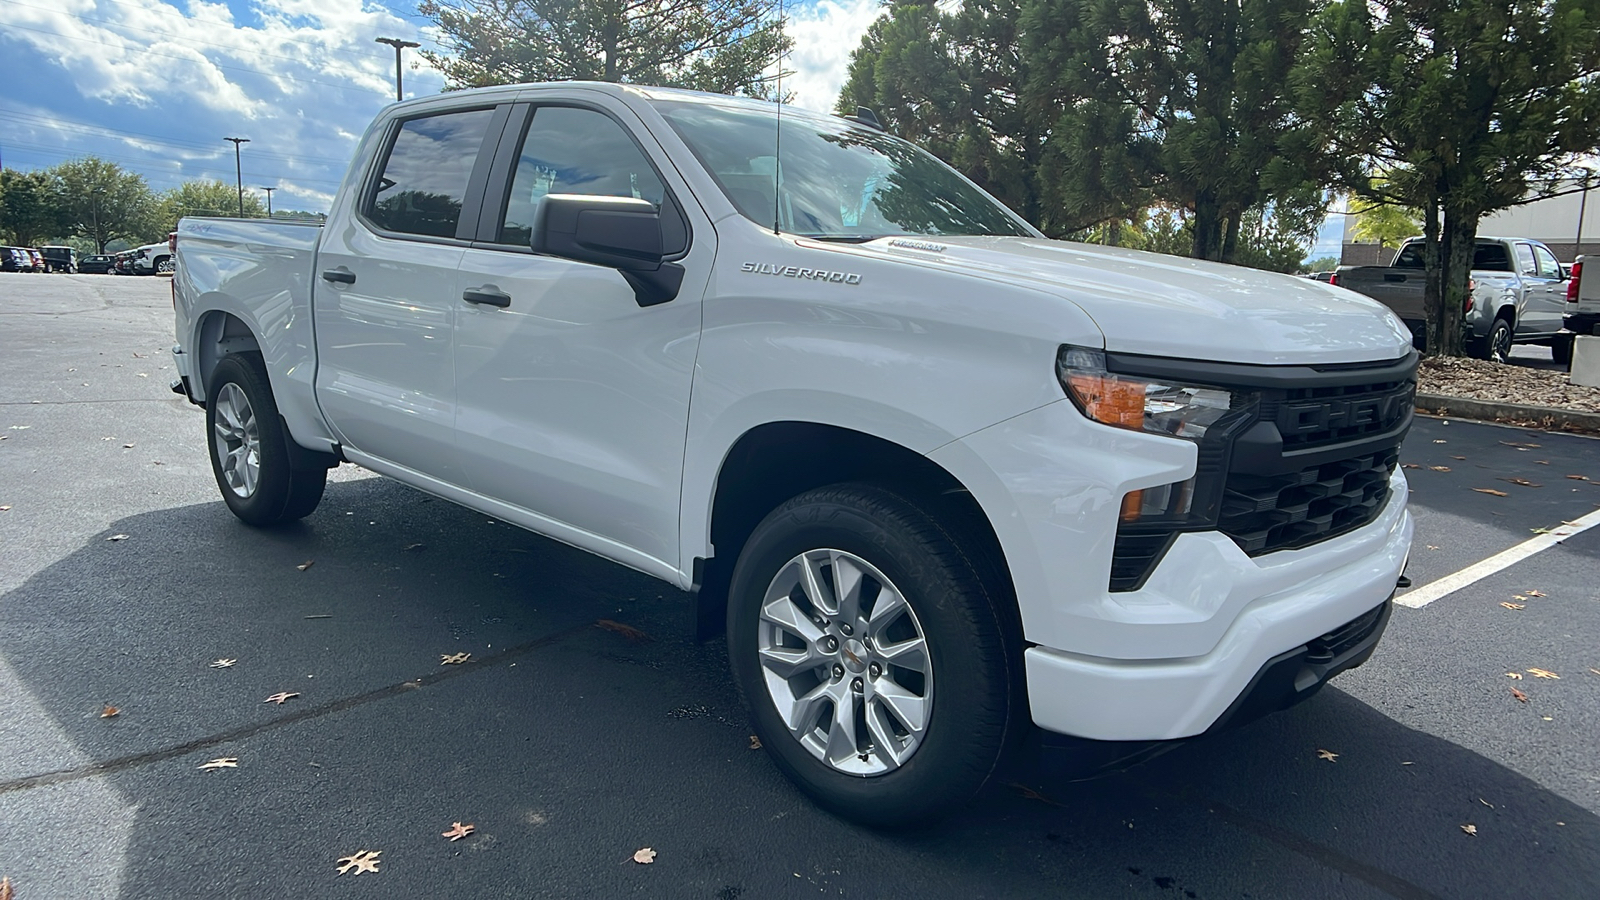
(1259, 664)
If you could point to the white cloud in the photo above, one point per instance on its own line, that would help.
(825, 34)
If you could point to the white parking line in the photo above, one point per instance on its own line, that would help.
(1433, 590)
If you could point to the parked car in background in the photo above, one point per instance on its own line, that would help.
(123, 264)
(14, 259)
(1321, 276)
(1518, 295)
(153, 259)
(37, 259)
(59, 259)
(1582, 315)
(98, 264)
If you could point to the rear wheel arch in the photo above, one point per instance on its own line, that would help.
(219, 334)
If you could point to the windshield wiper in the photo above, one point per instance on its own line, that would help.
(844, 238)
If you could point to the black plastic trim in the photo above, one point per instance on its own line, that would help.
(1258, 377)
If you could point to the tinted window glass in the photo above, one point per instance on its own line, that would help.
(424, 180)
(837, 180)
(574, 151)
(1410, 257)
(1548, 267)
(1491, 258)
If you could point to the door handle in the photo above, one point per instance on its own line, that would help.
(340, 275)
(487, 296)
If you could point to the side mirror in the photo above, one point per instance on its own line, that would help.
(621, 233)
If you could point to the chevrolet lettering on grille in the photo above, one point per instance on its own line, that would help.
(1307, 416)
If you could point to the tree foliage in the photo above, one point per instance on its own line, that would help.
(1466, 106)
(725, 46)
(1386, 224)
(203, 197)
(28, 211)
(102, 201)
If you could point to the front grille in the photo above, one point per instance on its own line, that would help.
(1264, 513)
(1319, 416)
(1328, 647)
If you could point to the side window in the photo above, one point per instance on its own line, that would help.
(574, 151)
(424, 179)
(1548, 267)
(1525, 263)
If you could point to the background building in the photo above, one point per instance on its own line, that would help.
(1554, 221)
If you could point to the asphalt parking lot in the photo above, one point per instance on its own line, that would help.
(571, 746)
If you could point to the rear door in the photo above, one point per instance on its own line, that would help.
(386, 299)
(1541, 286)
(574, 399)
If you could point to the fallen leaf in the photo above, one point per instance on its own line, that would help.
(1544, 673)
(361, 861)
(1521, 697)
(1519, 446)
(1539, 530)
(1470, 828)
(221, 762)
(1433, 546)
(1542, 462)
(1440, 468)
(627, 631)
(319, 616)
(1491, 491)
(306, 565)
(127, 446)
(110, 712)
(1486, 803)
(1441, 442)
(1594, 670)
(1534, 593)
(117, 537)
(1547, 718)
(458, 831)
(1328, 755)
(1509, 605)
(1029, 793)
(755, 742)
(1522, 481)
(1579, 477)
(223, 663)
(5, 886)
(453, 659)
(6, 508)
(1409, 466)
(1408, 763)
(279, 697)
(644, 856)
(412, 548)
(1514, 675)
(1458, 457)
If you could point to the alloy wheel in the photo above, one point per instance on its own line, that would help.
(238, 441)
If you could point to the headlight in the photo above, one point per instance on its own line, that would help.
(1140, 404)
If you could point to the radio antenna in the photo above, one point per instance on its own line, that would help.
(777, 142)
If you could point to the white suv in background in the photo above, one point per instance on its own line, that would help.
(153, 259)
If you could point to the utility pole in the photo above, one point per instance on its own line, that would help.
(100, 244)
(269, 191)
(238, 173)
(398, 45)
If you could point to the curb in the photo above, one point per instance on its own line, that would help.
(1538, 416)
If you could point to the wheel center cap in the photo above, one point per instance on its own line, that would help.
(855, 655)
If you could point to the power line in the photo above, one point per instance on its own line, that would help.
(37, 121)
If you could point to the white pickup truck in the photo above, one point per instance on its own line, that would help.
(945, 483)
(1582, 315)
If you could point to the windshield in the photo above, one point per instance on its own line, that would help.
(838, 180)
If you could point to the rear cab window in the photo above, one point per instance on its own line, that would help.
(422, 183)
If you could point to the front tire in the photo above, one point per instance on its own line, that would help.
(249, 447)
(165, 266)
(1496, 345)
(878, 669)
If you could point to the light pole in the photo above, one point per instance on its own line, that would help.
(398, 45)
(99, 244)
(238, 173)
(269, 191)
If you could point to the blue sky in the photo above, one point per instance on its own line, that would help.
(156, 86)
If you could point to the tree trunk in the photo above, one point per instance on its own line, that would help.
(1230, 238)
(1432, 272)
(1207, 227)
(1460, 237)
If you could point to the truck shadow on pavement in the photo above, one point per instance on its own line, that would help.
(571, 744)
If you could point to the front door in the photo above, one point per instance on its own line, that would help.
(573, 399)
(386, 297)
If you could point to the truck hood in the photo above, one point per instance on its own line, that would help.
(1162, 305)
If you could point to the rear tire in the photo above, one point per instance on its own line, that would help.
(925, 615)
(249, 447)
(1561, 349)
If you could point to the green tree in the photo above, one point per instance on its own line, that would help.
(726, 46)
(1385, 223)
(28, 212)
(203, 197)
(1323, 264)
(1468, 107)
(103, 202)
(1186, 102)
